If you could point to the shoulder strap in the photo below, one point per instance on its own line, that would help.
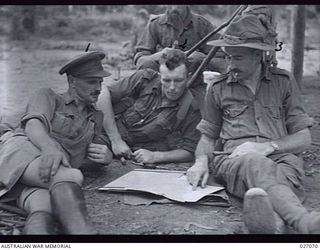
(187, 100)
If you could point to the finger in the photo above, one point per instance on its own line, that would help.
(65, 162)
(138, 158)
(233, 154)
(204, 180)
(195, 182)
(47, 165)
(55, 166)
(94, 150)
(45, 174)
(94, 160)
(45, 161)
(190, 176)
(136, 152)
(123, 161)
(95, 156)
(128, 153)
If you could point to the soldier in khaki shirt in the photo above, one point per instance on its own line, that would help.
(178, 28)
(155, 113)
(257, 112)
(40, 160)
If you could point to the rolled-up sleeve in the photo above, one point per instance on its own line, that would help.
(211, 122)
(41, 106)
(147, 42)
(296, 118)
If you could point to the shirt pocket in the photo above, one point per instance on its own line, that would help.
(234, 111)
(63, 124)
(273, 111)
(158, 128)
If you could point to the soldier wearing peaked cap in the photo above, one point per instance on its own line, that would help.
(39, 161)
(258, 113)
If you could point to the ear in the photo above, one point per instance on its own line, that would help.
(259, 54)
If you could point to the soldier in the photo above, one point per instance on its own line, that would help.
(258, 113)
(155, 114)
(178, 28)
(39, 161)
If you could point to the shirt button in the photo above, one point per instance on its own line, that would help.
(153, 108)
(142, 120)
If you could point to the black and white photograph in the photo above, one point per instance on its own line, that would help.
(159, 120)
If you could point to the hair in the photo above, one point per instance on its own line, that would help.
(173, 58)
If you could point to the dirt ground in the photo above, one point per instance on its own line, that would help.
(25, 68)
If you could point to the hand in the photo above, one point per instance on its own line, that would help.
(196, 172)
(196, 56)
(120, 148)
(99, 153)
(156, 56)
(145, 156)
(50, 163)
(252, 147)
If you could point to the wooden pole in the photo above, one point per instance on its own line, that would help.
(299, 26)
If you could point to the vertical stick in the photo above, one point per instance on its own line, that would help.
(299, 23)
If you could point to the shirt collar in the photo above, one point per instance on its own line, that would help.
(69, 98)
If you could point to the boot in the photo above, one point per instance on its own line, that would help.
(258, 214)
(69, 206)
(291, 210)
(310, 223)
(281, 226)
(40, 222)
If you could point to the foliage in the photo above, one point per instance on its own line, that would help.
(106, 21)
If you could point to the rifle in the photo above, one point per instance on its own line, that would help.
(213, 50)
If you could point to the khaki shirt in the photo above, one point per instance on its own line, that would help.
(161, 33)
(141, 118)
(234, 113)
(73, 130)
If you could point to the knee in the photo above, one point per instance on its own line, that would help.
(68, 175)
(38, 200)
(255, 158)
(256, 163)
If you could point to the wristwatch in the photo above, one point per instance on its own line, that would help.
(275, 146)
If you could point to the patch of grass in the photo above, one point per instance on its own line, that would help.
(121, 21)
(310, 82)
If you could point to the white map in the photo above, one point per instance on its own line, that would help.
(170, 184)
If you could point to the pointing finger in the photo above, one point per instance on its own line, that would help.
(195, 182)
(204, 180)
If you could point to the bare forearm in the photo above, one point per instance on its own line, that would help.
(177, 155)
(38, 135)
(204, 148)
(294, 143)
(109, 123)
